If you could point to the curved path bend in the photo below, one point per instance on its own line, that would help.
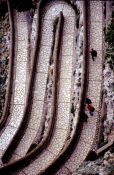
(19, 89)
(63, 112)
(95, 25)
(64, 96)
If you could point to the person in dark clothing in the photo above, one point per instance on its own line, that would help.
(93, 54)
(88, 101)
(90, 108)
(88, 104)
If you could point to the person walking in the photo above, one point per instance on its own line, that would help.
(88, 101)
(89, 106)
(93, 54)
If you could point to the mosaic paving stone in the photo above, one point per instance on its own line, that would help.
(78, 156)
(44, 56)
(95, 88)
(66, 67)
(47, 26)
(63, 115)
(96, 6)
(47, 39)
(58, 141)
(67, 41)
(99, 72)
(1, 153)
(39, 164)
(63, 171)
(36, 115)
(69, 25)
(94, 30)
(40, 87)
(21, 16)
(65, 90)
(53, 11)
(26, 141)
(7, 136)
(17, 114)
(67, 11)
(39, 78)
(21, 72)
(19, 95)
(22, 51)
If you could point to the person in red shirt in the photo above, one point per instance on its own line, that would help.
(89, 106)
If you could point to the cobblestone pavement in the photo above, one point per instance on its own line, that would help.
(38, 98)
(94, 87)
(64, 97)
(19, 96)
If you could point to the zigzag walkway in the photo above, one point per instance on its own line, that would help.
(19, 96)
(93, 90)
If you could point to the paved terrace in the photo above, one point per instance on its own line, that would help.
(93, 92)
(19, 95)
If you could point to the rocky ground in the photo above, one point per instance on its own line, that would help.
(77, 68)
(102, 166)
(109, 99)
(4, 58)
